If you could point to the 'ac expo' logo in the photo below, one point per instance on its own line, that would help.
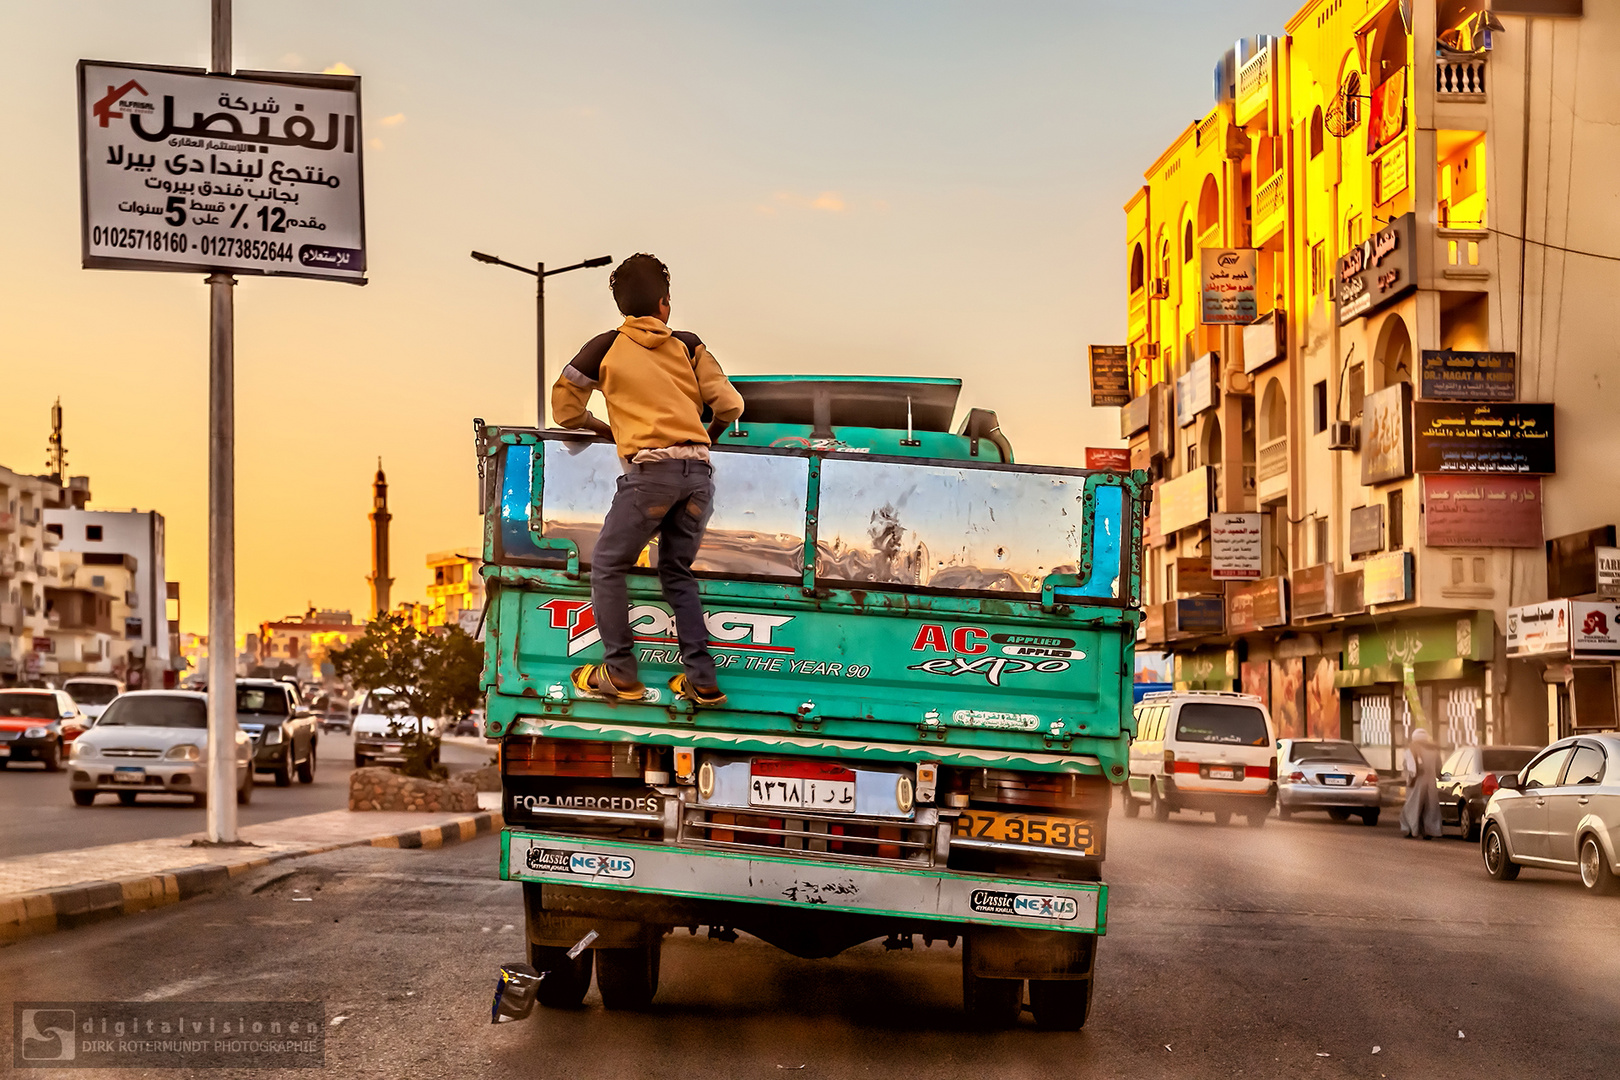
(649, 623)
(1019, 653)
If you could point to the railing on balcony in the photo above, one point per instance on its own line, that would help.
(1459, 77)
(1273, 459)
(1136, 323)
(1465, 253)
(1270, 199)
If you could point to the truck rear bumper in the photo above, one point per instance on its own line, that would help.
(788, 882)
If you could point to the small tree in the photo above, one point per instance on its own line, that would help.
(432, 675)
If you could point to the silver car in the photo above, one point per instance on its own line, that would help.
(1325, 774)
(156, 742)
(1560, 812)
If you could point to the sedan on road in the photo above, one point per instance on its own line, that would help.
(283, 730)
(37, 725)
(1325, 774)
(1560, 812)
(1470, 776)
(383, 725)
(153, 742)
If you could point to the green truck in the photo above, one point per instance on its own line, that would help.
(927, 651)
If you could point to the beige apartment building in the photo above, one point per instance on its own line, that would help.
(1372, 367)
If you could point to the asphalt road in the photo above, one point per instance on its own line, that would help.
(1292, 951)
(38, 815)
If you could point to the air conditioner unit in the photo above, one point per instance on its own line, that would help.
(1159, 289)
(1344, 435)
(1145, 352)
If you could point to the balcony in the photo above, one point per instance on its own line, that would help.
(8, 522)
(1459, 77)
(11, 617)
(1136, 322)
(1270, 204)
(1465, 254)
(1241, 501)
(1271, 470)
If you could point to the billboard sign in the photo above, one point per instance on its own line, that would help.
(1105, 457)
(1227, 285)
(1449, 375)
(1110, 376)
(1538, 629)
(1386, 438)
(256, 173)
(1608, 572)
(1482, 511)
(1184, 501)
(1236, 550)
(1594, 630)
(1378, 271)
(1479, 437)
(1387, 578)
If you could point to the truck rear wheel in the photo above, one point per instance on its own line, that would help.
(1060, 1004)
(990, 1003)
(628, 978)
(566, 981)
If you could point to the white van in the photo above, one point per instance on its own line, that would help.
(1213, 751)
(93, 693)
(381, 721)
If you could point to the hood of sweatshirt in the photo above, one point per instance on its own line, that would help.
(648, 331)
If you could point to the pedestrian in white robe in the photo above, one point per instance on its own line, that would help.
(1420, 817)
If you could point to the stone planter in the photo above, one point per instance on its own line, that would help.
(379, 788)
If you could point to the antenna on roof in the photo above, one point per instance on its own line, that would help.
(55, 453)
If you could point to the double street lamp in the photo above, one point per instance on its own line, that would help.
(540, 273)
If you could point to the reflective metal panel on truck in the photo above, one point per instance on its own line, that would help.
(670, 871)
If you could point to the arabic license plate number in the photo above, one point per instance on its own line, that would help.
(126, 775)
(1336, 781)
(1058, 832)
(801, 785)
(1221, 773)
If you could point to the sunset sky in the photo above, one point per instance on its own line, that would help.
(884, 188)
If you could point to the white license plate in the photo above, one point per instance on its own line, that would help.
(1222, 774)
(393, 747)
(792, 785)
(1336, 781)
(129, 776)
(5, 751)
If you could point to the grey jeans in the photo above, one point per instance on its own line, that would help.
(672, 500)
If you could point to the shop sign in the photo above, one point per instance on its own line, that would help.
(1192, 576)
(1153, 624)
(1287, 692)
(1388, 118)
(1449, 375)
(1366, 529)
(1608, 571)
(1108, 457)
(1133, 416)
(1257, 605)
(1161, 405)
(1206, 668)
(1572, 561)
(1379, 271)
(1390, 172)
(1420, 641)
(1538, 629)
(1184, 501)
(1594, 630)
(1265, 341)
(1386, 444)
(1311, 590)
(1235, 548)
(1110, 376)
(1470, 437)
(1228, 279)
(1195, 391)
(1200, 615)
(1152, 534)
(1347, 594)
(1482, 511)
(1139, 456)
(1387, 578)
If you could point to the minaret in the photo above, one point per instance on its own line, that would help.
(380, 517)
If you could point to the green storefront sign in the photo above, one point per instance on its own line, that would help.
(1435, 647)
(1206, 669)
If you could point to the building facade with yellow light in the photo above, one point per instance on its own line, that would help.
(1370, 370)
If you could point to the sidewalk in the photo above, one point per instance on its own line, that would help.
(40, 894)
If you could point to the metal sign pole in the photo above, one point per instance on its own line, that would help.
(540, 342)
(221, 516)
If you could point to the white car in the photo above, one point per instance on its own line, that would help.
(93, 693)
(381, 725)
(153, 742)
(1209, 750)
(1560, 812)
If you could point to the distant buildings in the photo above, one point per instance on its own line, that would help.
(117, 555)
(298, 645)
(455, 590)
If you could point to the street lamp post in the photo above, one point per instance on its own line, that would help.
(540, 273)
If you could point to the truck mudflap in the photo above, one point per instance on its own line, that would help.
(788, 882)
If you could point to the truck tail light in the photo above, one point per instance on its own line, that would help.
(685, 764)
(1489, 785)
(535, 756)
(1273, 770)
(1296, 777)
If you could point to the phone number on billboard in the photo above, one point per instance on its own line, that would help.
(237, 247)
(139, 239)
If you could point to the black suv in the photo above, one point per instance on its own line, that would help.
(284, 732)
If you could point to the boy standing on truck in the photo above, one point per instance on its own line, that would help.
(657, 382)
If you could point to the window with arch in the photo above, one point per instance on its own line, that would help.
(1273, 411)
(1316, 132)
(1187, 244)
(1138, 272)
(1209, 206)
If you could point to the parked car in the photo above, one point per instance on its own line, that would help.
(153, 742)
(37, 725)
(93, 693)
(1209, 751)
(1559, 812)
(382, 722)
(1325, 774)
(335, 718)
(284, 732)
(1469, 777)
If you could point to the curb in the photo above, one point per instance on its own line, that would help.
(50, 910)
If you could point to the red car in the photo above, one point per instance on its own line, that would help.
(37, 725)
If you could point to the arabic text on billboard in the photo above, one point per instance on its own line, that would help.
(1228, 279)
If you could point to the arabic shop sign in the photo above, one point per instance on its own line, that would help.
(1538, 629)
(1482, 511)
(1608, 571)
(1256, 605)
(1236, 548)
(1422, 641)
(1386, 444)
(1469, 376)
(1387, 578)
(1379, 271)
(1184, 501)
(1465, 437)
(258, 173)
(1110, 376)
(1228, 277)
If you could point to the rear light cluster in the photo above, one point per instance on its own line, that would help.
(528, 755)
(1296, 777)
(1489, 785)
